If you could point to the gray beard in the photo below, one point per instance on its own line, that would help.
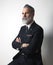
(26, 21)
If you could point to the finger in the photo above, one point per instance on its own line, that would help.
(19, 39)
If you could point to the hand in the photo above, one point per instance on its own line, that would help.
(25, 45)
(18, 40)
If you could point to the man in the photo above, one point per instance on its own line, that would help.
(28, 41)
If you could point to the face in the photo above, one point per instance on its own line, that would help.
(27, 16)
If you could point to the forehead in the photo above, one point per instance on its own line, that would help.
(25, 9)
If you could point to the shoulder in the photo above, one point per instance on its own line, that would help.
(38, 28)
(23, 27)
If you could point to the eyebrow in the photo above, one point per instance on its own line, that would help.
(25, 12)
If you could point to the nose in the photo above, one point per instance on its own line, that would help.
(24, 15)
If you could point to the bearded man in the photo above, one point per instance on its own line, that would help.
(28, 41)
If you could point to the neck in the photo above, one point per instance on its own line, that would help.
(30, 22)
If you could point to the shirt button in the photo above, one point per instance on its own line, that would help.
(22, 53)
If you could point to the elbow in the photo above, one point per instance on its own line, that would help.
(14, 45)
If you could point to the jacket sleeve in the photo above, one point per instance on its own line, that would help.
(15, 44)
(35, 43)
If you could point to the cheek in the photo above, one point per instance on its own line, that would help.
(27, 15)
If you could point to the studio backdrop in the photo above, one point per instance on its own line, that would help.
(11, 22)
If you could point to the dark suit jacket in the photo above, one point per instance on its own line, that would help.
(30, 55)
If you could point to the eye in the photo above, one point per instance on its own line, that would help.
(22, 13)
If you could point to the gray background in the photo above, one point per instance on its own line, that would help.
(10, 23)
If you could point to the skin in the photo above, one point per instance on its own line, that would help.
(26, 13)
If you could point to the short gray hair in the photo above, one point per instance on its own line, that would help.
(30, 7)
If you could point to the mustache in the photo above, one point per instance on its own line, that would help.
(24, 18)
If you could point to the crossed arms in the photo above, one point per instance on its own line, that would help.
(30, 47)
(19, 41)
